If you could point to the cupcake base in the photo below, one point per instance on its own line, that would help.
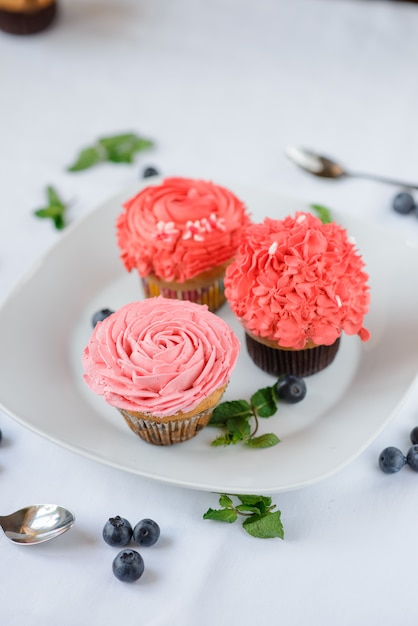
(172, 429)
(28, 22)
(278, 361)
(206, 288)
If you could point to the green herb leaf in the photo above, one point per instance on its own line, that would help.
(223, 440)
(235, 417)
(257, 510)
(255, 500)
(246, 508)
(87, 158)
(55, 210)
(323, 213)
(263, 441)
(121, 148)
(265, 526)
(239, 427)
(221, 515)
(226, 501)
(264, 402)
(52, 196)
(116, 149)
(226, 410)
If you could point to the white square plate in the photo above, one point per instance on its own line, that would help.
(46, 322)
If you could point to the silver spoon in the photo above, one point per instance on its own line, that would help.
(322, 166)
(36, 523)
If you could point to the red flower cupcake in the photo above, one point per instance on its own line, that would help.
(296, 284)
(180, 236)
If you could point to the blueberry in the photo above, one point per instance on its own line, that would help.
(150, 171)
(128, 566)
(290, 388)
(412, 457)
(99, 316)
(403, 203)
(414, 435)
(117, 531)
(146, 532)
(391, 460)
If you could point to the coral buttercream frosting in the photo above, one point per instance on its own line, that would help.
(298, 282)
(159, 356)
(180, 228)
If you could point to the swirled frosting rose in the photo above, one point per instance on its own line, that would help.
(298, 281)
(159, 356)
(180, 228)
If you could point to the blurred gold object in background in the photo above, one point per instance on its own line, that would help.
(26, 17)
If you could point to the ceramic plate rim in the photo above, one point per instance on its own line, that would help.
(216, 482)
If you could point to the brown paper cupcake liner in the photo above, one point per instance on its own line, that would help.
(213, 294)
(301, 363)
(166, 433)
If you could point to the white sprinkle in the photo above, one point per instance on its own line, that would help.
(273, 248)
(338, 300)
(301, 219)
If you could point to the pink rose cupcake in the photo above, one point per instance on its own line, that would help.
(296, 284)
(180, 236)
(164, 364)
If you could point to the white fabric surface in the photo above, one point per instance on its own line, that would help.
(222, 86)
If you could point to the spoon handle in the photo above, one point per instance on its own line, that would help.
(383, 179)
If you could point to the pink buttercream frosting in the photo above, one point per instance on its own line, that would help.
(180, 228)
(298, 280)
(159, 356)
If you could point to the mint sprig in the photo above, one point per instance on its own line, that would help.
(323, 213)
(116, 149)
(55, 210)
(260, 518)
(235, 418)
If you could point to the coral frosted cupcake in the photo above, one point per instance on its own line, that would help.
(296, 284)
(180, 236)
(164, 364)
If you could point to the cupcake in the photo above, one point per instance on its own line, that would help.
(180, 236)
(296, 284)
(26, 17)
(164, 364)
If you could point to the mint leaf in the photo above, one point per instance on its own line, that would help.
(221, 515)
(323, 213)
(257, 511)
(116, 149)
(265, 526)
(121, 148)
(246, 508)
(255, 500)
(235, 417)
(59, 222)
(55, 209)
(264, 402)
(223, 440)
(233, 408)
(263, 441)
(53, 197)
(238, 427)
(87, 158)
(226, 501)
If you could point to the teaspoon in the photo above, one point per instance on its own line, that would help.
(36, 523)
(326, 168)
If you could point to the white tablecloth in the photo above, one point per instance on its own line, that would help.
(222, 86)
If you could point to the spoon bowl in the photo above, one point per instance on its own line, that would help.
(36, 523)
(322, 166)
